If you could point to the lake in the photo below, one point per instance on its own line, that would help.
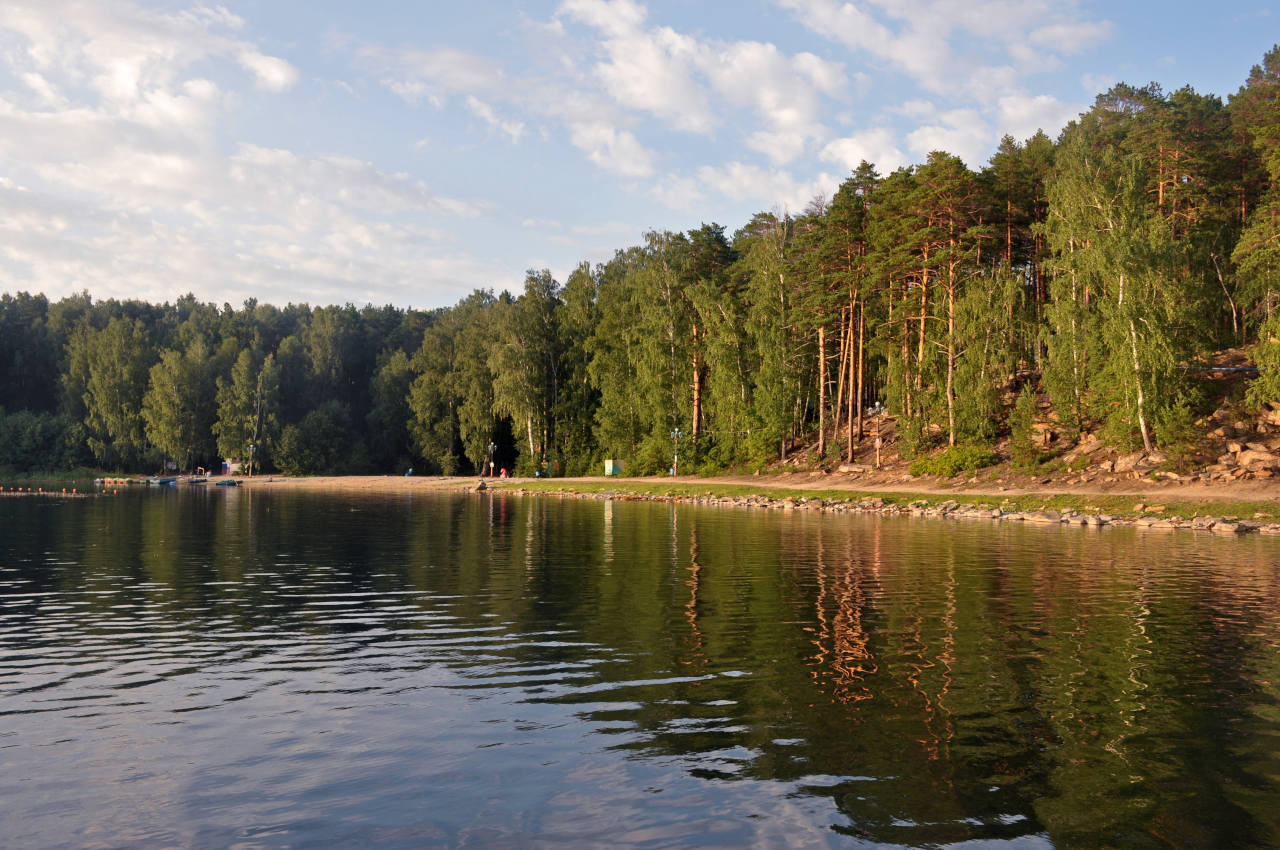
(245, 668)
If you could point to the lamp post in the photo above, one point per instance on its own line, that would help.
(251, 448)
(675, 460)
(492, 448)
(877, 410)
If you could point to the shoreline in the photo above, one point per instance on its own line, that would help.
(1235, 509)
(1239, 508)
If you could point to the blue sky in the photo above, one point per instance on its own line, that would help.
(407, 153)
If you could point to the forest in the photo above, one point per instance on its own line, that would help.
(1088, 270)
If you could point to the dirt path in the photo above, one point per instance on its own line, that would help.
(1253, 491)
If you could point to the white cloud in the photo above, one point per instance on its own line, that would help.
(963, 132)
(437, 75)
(784, 91)
(116, 181)
(986, 83)
(433, 75)
(612, 149)
(767, 187)
(673, 76)
(646, 70)
(944, 44)
(511, 129)
(124, 52)
(877, 146)
(780, 148)
(1071, 37)
(290, 185)
(273, 73)
(678, 193)
(614, 17)
(1022, 115)
(916, 109)
(47, 92)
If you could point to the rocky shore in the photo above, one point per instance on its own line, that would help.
(1234, 510)
(1143, 516)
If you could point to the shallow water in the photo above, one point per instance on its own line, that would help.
(253, 669)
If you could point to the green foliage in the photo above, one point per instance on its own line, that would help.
(953, 461)
(1265, 389)
(1023, 450)
(1177, 434)
(1125, 322)
(247, 423)
(390, 443)
(31, 441)
(525, 362)
(321, 443)
(179, 405)
(118, 364)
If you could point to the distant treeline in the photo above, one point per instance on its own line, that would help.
(1086, 268)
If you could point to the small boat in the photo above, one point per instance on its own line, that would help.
(230, 482)
(163, 482)
(197, 479)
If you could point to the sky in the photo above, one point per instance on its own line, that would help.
(326, 152)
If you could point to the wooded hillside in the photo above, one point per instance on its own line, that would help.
(1089, 270)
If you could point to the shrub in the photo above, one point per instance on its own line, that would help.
(1022, 441)
(954, 460)
(1177, 435)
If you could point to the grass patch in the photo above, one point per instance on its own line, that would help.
(953, 461)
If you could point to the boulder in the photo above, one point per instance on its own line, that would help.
(1127, 463)
(1251, 459)
(1089, 444)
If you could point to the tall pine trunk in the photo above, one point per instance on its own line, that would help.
(862, 327)
(822, 390)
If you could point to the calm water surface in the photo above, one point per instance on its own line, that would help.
(255, 669)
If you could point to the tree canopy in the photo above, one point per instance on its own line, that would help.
(1087, 268)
